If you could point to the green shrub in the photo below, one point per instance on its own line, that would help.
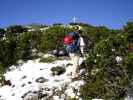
(23, 49)
(52, 38)
(48, 59)
(128, 61)
(128, 28)
(16, 29)
(117, 42)
(106, 78)
(7, 48)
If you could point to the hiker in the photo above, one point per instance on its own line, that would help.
(72, 42)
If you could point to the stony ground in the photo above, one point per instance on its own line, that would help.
(35, 80)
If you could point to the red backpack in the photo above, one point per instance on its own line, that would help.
(68, 40)
(71, 40)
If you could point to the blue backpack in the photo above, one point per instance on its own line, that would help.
(74, 46)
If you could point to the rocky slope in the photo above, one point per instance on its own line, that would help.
(35, 80)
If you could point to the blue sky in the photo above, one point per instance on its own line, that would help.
(110, 13)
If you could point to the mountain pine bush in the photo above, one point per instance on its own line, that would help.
(106, 77)
(52, 38)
